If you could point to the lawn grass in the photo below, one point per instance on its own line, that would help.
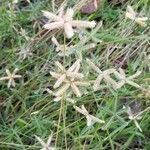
(28, 110)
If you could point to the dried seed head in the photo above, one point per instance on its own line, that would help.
(64, 20)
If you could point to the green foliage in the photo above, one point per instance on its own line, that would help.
(28, 110)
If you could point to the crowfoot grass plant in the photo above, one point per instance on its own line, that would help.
(102, 75)
(71, 79)
(131, 14)
(46, 146)
(11, 77)
(121, 44)
(65, 20)
(123, 79)
(90, 118)
(135, 117)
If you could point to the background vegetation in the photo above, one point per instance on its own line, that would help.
(28, 110)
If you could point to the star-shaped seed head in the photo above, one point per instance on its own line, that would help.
(133, 117)
(126, 80)
(24, 53)
(131, 14)
(11, 77)
(90, 118)
(47, 145)
(64, 20)
(102, 75)
(70, 78)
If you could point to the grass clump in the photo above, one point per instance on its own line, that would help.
(29, 113)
